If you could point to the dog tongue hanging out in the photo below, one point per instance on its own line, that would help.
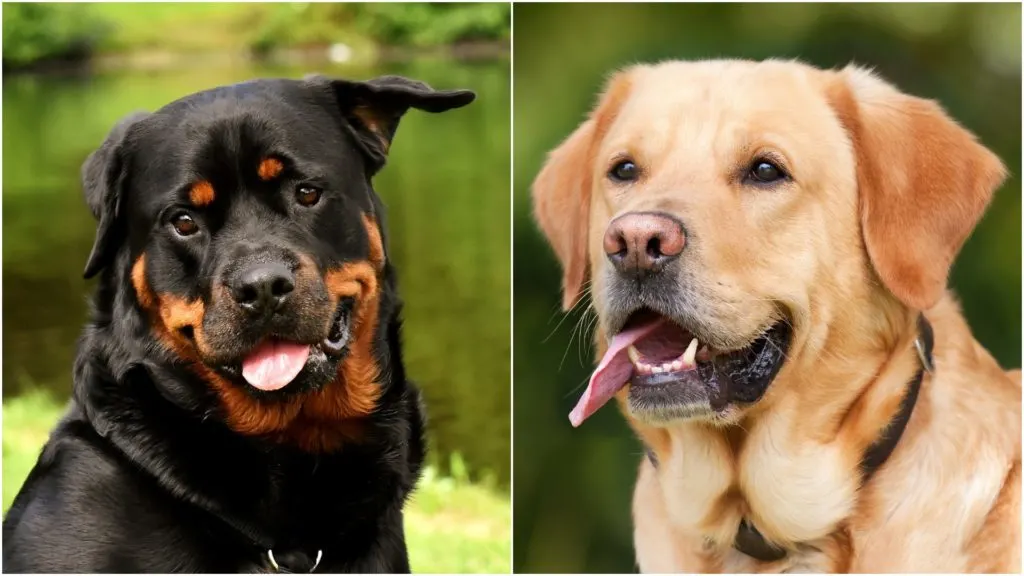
(657, 358)
(274, 364)
(766, 246)
(648, 353)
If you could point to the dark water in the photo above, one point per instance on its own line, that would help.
(446, 187)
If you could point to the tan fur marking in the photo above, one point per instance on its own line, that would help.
(269, 169)
(318, 422)
(201, 194)
(376, 256)
(168, 315)
(374, 122)
(359, 373)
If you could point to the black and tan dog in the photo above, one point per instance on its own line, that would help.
(240, 402)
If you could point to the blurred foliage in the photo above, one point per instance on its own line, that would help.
(41, 32)
(446, 187)
(185, 27)
(429, 24)
(452, 525)
(573, 487)
(304, 24)
(33, 32)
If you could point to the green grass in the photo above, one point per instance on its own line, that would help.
(452, 525)
(27, 420)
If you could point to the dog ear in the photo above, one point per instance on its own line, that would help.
(373, 108)
(924, 183)
(561, 203)
(103, 175)
(562, 190)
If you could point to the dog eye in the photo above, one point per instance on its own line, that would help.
(624, 171)
(308, 195)
(765, 172)
(184, 225)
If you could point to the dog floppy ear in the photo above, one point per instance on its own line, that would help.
(561, 202)
(103, 174)
(373, 108)
(562, 190)
(924, 183)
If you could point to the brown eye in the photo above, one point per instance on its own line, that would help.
(308, 195)
(765, 172)
(184, 225)
(624, 171)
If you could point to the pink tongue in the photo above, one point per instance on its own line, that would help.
(612, 372)
(273, 364)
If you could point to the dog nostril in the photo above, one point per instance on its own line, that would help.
(654, 247)
(247, 295)
(622, 245)
(615, 245)
(281, 287)
(614, 242)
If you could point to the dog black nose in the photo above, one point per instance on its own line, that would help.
(639, 243)
(262, 288)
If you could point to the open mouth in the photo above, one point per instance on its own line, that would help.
(672, 375)
(276, 362)
(341, 329)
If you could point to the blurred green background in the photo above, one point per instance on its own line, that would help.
(446, 187)
(573, 487)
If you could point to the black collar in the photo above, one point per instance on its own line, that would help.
(752, 543)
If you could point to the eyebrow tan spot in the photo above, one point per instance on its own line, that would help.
(269, 169)
(201, 193)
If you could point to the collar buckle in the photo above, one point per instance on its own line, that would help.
(277, 567)
(926, 361)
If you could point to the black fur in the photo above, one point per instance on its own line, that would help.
(143, 473)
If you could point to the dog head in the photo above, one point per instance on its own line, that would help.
(732, 216)
(242, 225)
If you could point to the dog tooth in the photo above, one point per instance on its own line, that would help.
(643, 368)
(677, 366)
(690, 356)
(634, 354)
(656, 370)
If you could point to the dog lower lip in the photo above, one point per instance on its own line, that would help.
(741, 375)
(673, 375)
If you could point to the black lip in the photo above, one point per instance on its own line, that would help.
(337, 340)
(739, 376)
